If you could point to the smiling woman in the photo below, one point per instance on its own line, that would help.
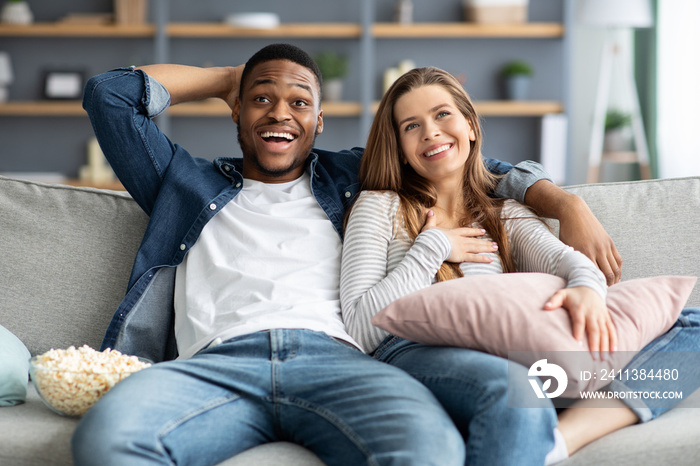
(426, 216)
(429, 134)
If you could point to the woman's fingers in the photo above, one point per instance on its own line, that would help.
(430, 221)
(601, 329)
(613, 333)
(556, 301)
(590, 319)
(470, 232)
(466, 243)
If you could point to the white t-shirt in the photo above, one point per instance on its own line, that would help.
(269, 259)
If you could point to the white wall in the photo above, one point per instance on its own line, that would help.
(678, 91)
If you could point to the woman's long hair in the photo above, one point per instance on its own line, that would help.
(382, 169)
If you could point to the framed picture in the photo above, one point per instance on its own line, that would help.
(64, 84)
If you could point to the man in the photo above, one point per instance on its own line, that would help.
(237, 276)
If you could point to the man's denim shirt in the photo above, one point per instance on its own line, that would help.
(181, 193)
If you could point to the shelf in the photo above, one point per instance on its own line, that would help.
(213, 107)
(42, 108)
(513, 108)
(620, 157)
(216, 107)
(309, 30)
(466, 30)
(77, 30)
(318, 30)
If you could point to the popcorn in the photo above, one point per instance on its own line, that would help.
(70, 381)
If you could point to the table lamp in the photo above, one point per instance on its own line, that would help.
(615, 15)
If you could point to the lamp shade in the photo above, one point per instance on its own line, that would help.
(615, 13)
(6, 75)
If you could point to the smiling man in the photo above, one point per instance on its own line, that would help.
(235, 288)
(278, 119)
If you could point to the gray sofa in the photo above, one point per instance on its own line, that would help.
(66, 253)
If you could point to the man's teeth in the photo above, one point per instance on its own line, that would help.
(270, 134)
(437, 150)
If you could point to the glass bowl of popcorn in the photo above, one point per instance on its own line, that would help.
(70, 381)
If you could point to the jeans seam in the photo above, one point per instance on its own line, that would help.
(338, 423)
(179, 421)
(385, 346)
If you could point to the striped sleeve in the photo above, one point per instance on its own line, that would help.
(378, 267)
(536, 249)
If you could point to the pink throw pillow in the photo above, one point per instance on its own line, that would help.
(503, 315)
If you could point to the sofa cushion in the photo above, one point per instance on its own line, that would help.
(32, 435)
(14, 369)
(503, 315)
(654, 224)
(66, 255)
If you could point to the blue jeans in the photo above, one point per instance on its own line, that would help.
(678, 349)
(473, 387)
(292, 385)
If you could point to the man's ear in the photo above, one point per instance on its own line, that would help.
(319, 123)
(236, 110)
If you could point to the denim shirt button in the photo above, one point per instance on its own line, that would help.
(238, 185)
(227, 168)
(183, 246)
(348, 194)
(212, 206)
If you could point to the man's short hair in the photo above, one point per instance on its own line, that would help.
(280, 52)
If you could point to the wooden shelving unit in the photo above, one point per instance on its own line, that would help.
(211, 108)
(368, 38)
(294, 30)
(467, 30)
(42, 108)
(216, 107)
(77, 30)
(517, 108)
(306, 30)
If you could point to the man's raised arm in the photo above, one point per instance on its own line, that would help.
(578, 227)
(190, 83)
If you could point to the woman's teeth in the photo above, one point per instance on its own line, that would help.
(437, 150)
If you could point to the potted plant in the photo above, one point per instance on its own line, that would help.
(517, 75)
(616, 138)
(333, 68)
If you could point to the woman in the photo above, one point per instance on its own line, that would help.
(426, 216)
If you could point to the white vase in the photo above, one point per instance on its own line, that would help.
(17, 13)
(332, 90)
(616, 140)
